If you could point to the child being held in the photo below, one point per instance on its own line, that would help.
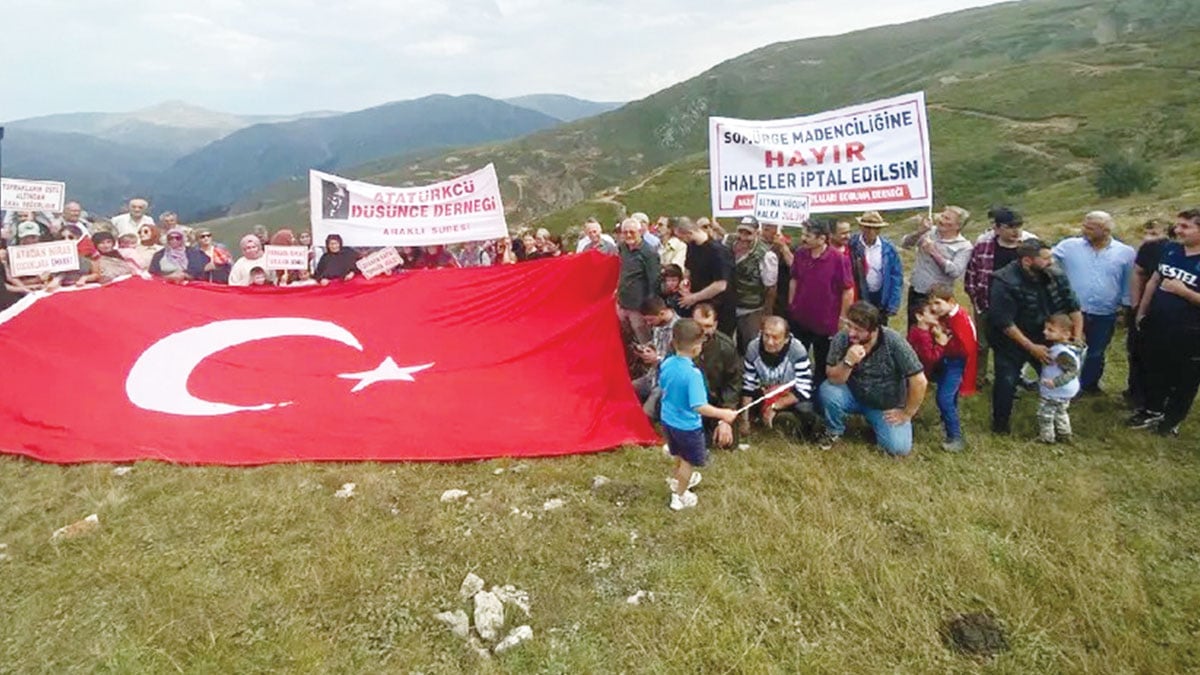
(1059, 381)
(684, 401)
(258, 277)
(671, 289)
(944, 339)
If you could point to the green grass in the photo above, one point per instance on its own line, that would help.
(795, 561)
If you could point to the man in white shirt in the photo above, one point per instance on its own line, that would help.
(128, 223)
(594, 238)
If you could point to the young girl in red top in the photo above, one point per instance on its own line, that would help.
(945, 341)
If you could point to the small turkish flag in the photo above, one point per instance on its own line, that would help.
(519, 360)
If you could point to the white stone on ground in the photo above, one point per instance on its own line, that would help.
(637, 598)
(516, 637)
(471, 585)
(122, 471)
(346, 492)
(77, 528)
(511, 595)
(489, 615)
(600, 481)
(458, 621)
(453, 495)
(552, 504)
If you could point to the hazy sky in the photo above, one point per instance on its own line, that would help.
(282, 56)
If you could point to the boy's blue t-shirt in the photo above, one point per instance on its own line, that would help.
(683, 391)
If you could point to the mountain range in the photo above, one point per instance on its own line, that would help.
(1025, 100)
(198, 162)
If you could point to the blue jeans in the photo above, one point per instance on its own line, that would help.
(1097, 331)
(949, 378)
(838, 402)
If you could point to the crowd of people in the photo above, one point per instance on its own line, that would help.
(797, 332)
(133, 242)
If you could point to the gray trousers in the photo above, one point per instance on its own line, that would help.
(1054, 423)
(748, 328)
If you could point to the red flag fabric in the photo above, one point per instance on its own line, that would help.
(520, 360)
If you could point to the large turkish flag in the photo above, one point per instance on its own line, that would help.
(520, 360)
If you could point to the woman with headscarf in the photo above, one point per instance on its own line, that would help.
(337, 263)
(146, 247)
(177, 262)
(252, 254)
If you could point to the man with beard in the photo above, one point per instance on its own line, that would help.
(872, 371)
(1023, 295)
(993, 250)
(756, 277)
(774, 358)
(722, 368)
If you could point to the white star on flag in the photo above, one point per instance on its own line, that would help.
(387, 371)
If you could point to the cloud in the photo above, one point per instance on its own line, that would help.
(293, 55)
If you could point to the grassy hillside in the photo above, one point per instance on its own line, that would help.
(794, 561)
(1022, 95)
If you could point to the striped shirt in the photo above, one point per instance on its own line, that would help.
(794, 367)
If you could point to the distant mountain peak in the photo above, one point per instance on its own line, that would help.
(563, 107)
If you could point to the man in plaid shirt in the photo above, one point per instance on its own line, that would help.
(994, 249)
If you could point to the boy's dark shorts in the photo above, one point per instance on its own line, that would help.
(688, 445)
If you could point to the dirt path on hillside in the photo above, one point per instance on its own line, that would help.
(611, 196)
(1093, 69)
(1063, 124)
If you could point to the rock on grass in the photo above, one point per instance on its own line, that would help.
(489, 615)
(977, 634)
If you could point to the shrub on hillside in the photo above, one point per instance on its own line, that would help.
(1121, 175)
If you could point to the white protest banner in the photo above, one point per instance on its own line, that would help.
(466, 208)
(873, 156)
(773, 208)
(31, 195)
(379, 262)
(47, 258)
(286, 257)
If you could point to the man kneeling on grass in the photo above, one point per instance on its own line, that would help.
(774, 358)
(684, 401)
(874, 372)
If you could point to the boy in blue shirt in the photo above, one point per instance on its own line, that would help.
(684, 401)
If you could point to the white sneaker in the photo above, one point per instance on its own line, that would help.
(683, 501)
(692, 482)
